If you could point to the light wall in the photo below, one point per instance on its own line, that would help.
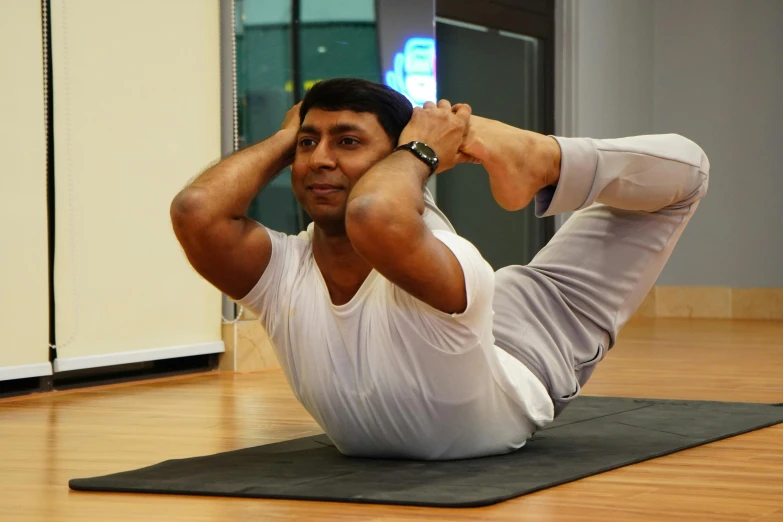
(615, 50)
(719, 80)
(711, 71)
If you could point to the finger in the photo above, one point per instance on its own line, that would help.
(463, 112)
(445, 105)
(430, 105)
(456, 107)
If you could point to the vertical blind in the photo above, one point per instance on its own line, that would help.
(24, 302)
(137, 114)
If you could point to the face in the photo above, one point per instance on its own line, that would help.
(334, 149)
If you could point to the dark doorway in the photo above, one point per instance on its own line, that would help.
(498, 57)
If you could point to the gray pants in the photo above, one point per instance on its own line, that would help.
(633, 197)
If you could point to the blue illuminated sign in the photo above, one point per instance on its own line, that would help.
(414, 71)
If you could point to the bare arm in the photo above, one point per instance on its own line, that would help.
(228, 249)
(384, 214)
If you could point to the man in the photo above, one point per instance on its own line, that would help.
(391, 329)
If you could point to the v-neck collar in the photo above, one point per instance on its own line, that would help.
(347, 308)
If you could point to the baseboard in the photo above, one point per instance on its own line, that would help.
(25, 371)
(713, 302)
(248, 347)
(154, 354)
(706, 302)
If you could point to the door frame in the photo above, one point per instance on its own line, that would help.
(528, 17)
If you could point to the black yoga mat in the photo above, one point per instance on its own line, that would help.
(595, 434)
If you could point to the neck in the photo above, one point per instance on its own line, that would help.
(342, 268)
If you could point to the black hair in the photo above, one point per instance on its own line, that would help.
(392, 109)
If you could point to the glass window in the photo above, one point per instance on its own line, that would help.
(263, 65)
(336, 39)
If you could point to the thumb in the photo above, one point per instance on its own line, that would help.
(463, 157)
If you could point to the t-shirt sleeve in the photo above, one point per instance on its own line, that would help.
(266, 297)
(460, 331)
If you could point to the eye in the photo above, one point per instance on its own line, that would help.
(307, 142)
(349, 141)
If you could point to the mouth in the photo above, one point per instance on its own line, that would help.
(323, 189)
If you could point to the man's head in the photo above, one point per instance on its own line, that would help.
(347, 125)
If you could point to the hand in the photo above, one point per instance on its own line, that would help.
(288, 130)
(292, 120)
(469, 141)
(441, 127)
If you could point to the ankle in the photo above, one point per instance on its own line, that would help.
(546, 160)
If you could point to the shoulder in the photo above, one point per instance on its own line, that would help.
(290, 253)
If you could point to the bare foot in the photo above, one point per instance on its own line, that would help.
(519, 163)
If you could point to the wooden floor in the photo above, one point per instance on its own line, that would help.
(47, 439)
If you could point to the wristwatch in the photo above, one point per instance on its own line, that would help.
(422, 151)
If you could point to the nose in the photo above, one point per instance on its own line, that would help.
(322, 157)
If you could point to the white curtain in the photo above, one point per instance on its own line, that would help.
(137, 114)
(24, 301)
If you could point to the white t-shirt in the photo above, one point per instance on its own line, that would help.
(386, 375)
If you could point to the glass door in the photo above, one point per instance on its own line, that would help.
(503, 74)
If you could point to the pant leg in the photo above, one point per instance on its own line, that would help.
(633, 198)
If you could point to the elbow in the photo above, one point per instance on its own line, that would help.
(187, 210)
(364, 216)
(371, 222)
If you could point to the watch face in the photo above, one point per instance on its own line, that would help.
(425, 150)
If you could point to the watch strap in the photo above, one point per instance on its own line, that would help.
(415, 148)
